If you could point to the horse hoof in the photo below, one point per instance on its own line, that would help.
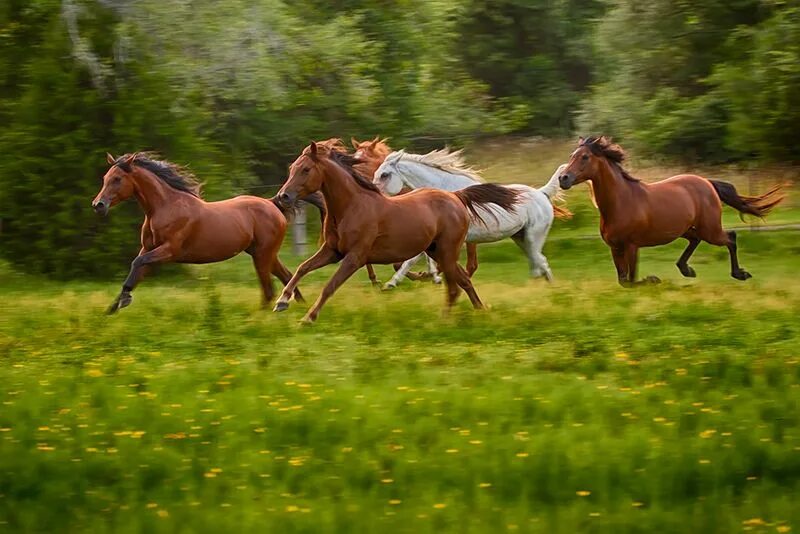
(306, 321)
(742, 275)
(113, 308)
(687, 271)
(652, 280)
(125, 300)
(437, 280)
(281, 306)
(388, 286)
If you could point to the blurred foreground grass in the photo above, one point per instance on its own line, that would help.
(573, 407)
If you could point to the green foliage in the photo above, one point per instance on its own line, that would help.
(711, 80)
(762, 89)
(236, 88)
(534, 55)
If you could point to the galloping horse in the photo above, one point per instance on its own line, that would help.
(179, 226)
(372, 228)
(370, 155)
(442, 169)
(634, 214)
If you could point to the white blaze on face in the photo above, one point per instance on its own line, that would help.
(359, 154)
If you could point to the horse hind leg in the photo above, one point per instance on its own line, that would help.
(728, 239)
(531, 242)
(263, 261)
(736, 270)
(682, 263)
(455, 276)
(284, 275)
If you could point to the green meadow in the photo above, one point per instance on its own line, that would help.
(576, 406)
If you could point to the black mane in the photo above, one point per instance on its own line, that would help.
(173, 175)
(603, 146)
(346, 161)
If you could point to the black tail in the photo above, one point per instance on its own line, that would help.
(482, 194)
(315, 199)
(759, 206)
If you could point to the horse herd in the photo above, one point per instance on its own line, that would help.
(385, 207)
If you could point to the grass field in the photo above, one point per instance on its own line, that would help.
(576, 406)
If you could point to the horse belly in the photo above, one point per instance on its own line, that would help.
(497, 224)
(397, 247)
(216, 241)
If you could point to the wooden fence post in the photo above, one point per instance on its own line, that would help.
(300, 231)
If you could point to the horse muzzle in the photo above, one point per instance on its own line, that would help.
(100, 207)
(285, 200)
(566, 180)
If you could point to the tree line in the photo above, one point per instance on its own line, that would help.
(237, 87)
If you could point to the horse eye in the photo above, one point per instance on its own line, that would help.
(385, 175)
(305, 170)
(585, 157)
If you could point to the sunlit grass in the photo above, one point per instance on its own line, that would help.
(566, 407)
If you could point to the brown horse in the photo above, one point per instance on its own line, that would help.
(370, 155)
(180, 227)
(634, 214)
(372, 228)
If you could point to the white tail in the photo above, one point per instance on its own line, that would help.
(552, 189)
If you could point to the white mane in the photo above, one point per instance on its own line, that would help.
(444, 159)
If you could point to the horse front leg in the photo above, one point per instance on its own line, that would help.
(372, 276)
(350, 264)
(402, 272)
(618, 253)
(324, 256)
(433, 269)
(139, 266)
(472, 259)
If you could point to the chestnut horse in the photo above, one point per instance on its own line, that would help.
(372, 228)
(370, 156)
(179, 226)
(634, 214)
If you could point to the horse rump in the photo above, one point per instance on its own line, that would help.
(759, 205)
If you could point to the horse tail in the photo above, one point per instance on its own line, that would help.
(474, 196)
(315, 199)
(552, 190)
(759, 205)
(318, 201)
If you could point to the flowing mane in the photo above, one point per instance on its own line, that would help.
(346, 161)
(603, 146)
(172, 174)
(444, 159)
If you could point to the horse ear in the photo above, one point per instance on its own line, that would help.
(313, 149)
(111, 159)
(355, 143)
(581, 139)
(130, 158)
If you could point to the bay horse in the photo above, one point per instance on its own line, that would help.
(527, 226)
(180, 227)
(634, 214)
(372, 228)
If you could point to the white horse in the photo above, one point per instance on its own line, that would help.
(528, 225)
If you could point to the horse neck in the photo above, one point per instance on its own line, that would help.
(151, 193)
(611, 191)
(339, 189)
(421, 175)
(368, 167)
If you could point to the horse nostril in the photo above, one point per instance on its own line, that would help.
(284, 199)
